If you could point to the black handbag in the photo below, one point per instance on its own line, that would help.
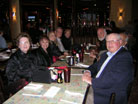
(42, 76)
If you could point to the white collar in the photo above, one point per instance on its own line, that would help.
(111, 54)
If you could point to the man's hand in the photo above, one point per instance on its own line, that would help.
(92, 54)
(66, 53)
(87, 77)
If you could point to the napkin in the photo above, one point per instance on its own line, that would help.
(32, 86)
(87, 53)
(52, 91)
(82, 65)
(67, 102)
(73, 93)
(32, 95)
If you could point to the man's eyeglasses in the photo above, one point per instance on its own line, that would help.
(112, 41)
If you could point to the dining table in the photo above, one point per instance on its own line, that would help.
(4, 56)
(74, 92)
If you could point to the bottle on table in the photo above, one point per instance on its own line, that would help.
(77, 58)
(59, 79)
(81, 53)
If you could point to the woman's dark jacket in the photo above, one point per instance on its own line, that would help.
(19, 66)
(54, 50)
(42, 59)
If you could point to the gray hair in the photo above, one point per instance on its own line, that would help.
(105, 33)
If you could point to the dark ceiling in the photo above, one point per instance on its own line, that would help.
(67, 5)
(4, 4)
(63, 4)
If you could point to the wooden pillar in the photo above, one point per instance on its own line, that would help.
(15, 24)
(55, 11)
(51, 20)
(121, 12)
(74, 17)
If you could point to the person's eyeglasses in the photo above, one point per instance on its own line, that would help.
(112, 41)
(24, 42)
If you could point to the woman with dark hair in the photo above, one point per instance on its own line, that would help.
(20, 66)
(42, 57)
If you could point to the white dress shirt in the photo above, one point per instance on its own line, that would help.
(60, 45)
(110, 55)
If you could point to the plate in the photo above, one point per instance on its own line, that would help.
(62, 59)
(5, 57)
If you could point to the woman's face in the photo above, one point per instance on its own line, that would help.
(67, 34)
(52, 37)
(44, 43)
(24, 44)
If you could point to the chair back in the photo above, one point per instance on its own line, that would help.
(129, 87)
(112, 98)
(1, 90)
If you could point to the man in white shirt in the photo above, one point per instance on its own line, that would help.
(58, 34)
(114, 72)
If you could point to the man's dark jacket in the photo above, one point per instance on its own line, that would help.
(115, 77)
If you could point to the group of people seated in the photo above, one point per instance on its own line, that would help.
(25, 61)
(110, 73)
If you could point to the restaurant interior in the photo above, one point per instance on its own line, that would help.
(83, 17)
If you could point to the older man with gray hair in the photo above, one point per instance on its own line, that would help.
(101, 44)
(114, 72)
(101, 34)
